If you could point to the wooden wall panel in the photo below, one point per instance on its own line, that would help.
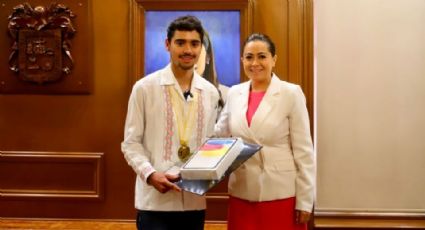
(271, 17)
(364, 220)
(94, 123)
(51, 175)
(289, 23)
(88, 123)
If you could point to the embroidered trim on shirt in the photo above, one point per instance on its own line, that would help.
(168, 143)
(200, 119)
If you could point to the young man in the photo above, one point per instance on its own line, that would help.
(170, 113)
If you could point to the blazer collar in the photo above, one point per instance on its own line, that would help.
(268, 102)
(271, 90)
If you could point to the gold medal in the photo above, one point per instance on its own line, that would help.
(185, 121)
(184, 153)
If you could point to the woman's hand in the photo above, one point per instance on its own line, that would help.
(302, 217)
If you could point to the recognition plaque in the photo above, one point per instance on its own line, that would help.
(201, 186)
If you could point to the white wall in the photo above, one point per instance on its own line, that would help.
(370, 111)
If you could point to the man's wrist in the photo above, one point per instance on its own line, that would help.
(148, 177)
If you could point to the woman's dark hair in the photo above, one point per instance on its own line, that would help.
(185, 23)
(261, 37)
(210, 73)
(209, 69)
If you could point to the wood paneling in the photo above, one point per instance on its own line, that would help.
(50, 175)
(289, 23)
(93, 123)
(86, 124)
(217, 206)
(81, 224)
(363, 220)
(271, 17)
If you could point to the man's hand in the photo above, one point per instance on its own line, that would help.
(163, 182)
(302, 217)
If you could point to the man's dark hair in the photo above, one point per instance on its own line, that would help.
(185, 23)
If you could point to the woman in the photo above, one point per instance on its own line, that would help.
(274, 189)
(206, 67)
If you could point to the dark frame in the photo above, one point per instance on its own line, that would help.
(139, 8)
(222, 41)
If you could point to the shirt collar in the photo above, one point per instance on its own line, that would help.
(168, 78)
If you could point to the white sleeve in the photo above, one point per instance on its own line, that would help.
(302, 148)
(134, 151)
(214, 98)
(222, 127)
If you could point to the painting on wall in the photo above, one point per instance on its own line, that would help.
(227, 24)
(223, 28)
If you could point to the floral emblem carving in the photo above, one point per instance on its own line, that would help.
(41, 50)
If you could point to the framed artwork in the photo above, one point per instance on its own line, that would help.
(226, 22)
(47, 47)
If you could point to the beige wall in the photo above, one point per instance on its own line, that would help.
(370, 117)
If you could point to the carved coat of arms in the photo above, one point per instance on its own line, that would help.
(41, 51)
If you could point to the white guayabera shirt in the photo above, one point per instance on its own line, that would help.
(151, 138)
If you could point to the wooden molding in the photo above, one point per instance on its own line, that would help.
(137, 34)
(51, 175)
(61, 223)
(301, 46)
(366, 220)
(217, 207)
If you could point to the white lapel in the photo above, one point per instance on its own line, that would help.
(266, 105)
(241, 105)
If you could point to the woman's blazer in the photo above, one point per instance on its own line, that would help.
(285, 165)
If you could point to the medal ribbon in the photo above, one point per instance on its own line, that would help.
(184, 125)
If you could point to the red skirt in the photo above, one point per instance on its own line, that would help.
(276, 214)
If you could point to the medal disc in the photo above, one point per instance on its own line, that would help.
(184, 153)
